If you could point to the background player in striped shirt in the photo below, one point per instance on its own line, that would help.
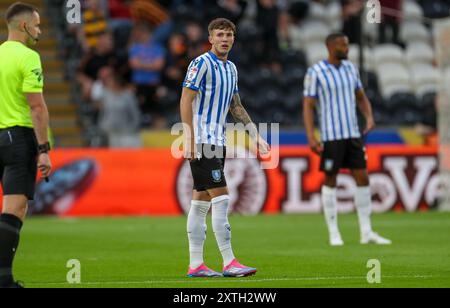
(334, 86)
(210, 91)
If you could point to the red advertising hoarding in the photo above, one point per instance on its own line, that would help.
(89, 182)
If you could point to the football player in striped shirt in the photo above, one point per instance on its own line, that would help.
(210, 91)
(335, 88)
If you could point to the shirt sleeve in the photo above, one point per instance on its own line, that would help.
(195, 74)
(33, 77)
(359, 84)
(311, 84)
(236, 88)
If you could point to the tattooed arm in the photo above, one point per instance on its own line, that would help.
(240, 115)
(238, 111)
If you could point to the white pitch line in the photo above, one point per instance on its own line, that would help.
(212, 280)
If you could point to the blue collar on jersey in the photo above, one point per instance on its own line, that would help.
(215, 57)
(336, 66)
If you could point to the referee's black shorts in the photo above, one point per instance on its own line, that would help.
(208, 171)
(343, 154)
(18, 161)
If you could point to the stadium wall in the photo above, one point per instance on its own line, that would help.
(89, 182)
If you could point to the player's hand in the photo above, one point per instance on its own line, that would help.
(44, 165)
(370, 125)
(263, 146)
(316, 146)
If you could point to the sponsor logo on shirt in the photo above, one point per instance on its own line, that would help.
(192, 73)
(38, 73)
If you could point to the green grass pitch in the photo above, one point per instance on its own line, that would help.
(289, 251)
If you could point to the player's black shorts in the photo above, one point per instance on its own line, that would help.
(208, 171)
(343, 154)
(18, 161)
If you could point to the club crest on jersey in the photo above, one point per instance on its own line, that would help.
(217, 176)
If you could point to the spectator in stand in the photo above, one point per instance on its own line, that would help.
(292, 16)
(435, 8)
(147, 60)
(155, 14)
(119, 14)
(173, 4)
(351, 11)
(267, 20)
(298, 9)
(119, 9)
(391, 17)
(283, 24)
(230, 9)
(94, 24)
(196, 43)
(176, 61)
(102, 55)
(120, 117)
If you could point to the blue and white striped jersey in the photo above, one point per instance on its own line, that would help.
(334, 88)
(216, 82)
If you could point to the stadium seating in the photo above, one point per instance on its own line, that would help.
(412, 11)
(393, 77)
(401, 81)
(368, 57)
(425, 79)
(419, 52)
(316, 52)
(388, 53)
(314, 32)
(414, 32)
(334, 16)
(318, 11)
(427, 102)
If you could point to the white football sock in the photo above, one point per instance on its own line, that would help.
(329, 202)
(363, 199)
(196, 228)
(222, 228)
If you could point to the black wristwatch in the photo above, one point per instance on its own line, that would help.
(44, 148)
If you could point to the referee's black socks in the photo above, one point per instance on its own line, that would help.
(10, 227)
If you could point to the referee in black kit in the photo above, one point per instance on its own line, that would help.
(24, 121)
